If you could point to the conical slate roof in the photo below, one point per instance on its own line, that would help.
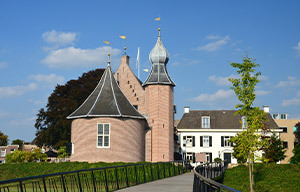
(107, 100)
(159, 57)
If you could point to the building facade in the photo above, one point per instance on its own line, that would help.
(4, 150)
(204, 134)
(287, 135)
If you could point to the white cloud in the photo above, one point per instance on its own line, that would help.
(291, 102)
(291, 82)
(71, 57)
(221, 81)
(298, 49)
(213, 37)
(214, 46)
(219, 95)
(17, 90)
(59, 38)
(3, 65)
(262, 92)
(51, 79)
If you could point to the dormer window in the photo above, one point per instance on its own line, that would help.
(205, 122)
(244, 122)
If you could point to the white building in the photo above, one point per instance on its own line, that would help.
(204, 134)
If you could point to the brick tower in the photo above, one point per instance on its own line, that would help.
(159, 106)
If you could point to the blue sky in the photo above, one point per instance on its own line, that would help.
(44, 43)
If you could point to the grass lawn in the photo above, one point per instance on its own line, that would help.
(268, 177)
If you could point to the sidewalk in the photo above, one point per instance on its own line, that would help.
(181, 183)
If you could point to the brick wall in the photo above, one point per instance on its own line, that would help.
(127, 140)
(159, 107)
(130, 85)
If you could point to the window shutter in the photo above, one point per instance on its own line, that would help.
(193, 141)
(222, 141)
(184, 139)
(210, 141)
(230, 144)
(210, 157)
(201, 141)
(194, 159)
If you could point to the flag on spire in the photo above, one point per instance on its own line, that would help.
(123, 37)
(157, 19)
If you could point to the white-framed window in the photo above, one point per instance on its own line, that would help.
(103, 137)
(12, 150)
(205, 122)
(188, 141)
(205, 141)
(225, 141)
(3, 153)
(275, 116)
(190, 157)
(244, 122)
(283, 116)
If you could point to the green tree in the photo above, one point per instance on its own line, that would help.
(275, 151)
(18, 142)
(248, 141)
(26, 156)
(53, 129)
(62, 153)
(296, 158)
(3, 139)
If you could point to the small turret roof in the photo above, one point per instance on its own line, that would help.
(107, 100)
(159, 57)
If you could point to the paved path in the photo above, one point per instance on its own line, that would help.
(181, 183)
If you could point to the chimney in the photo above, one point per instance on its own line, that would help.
(266, 108)
(125, 59)
(186, 109)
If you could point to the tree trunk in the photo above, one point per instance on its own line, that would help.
(250, 173)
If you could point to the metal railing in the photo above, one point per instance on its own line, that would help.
(96, 179)
(203, 175)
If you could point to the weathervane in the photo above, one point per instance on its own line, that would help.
(124, 37)
(108, 54)
(158, 19)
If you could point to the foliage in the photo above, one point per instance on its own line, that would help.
(296, 158)
(297, 132)
(268, 177)
(62, 153)
(18, 142)
(53, 129)
(26, 156)
(274, 152)
(248, 142)
(3, 139)
(18, 170)
(217, 160)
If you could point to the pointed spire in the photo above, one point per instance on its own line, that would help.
(159, 57)
(107, 100)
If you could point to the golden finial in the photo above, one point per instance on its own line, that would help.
(108, 62)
